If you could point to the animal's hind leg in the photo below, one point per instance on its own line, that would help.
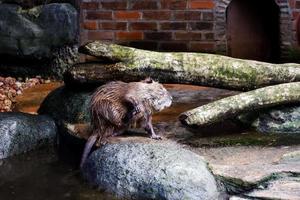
(87, 148)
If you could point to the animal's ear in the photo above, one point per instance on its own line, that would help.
(148, 80)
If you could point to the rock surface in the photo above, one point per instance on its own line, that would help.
(34, 3)
(150, 171)
(284, 189)
(21, 132)
(281, 120)
(257, 169)
(35, 32)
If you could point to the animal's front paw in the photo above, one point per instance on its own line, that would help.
(156, 137)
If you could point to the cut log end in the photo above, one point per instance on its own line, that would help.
(182, 118)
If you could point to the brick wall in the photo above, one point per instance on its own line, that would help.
(174, 25)
(182, 25)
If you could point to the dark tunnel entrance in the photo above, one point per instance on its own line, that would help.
(253, 30)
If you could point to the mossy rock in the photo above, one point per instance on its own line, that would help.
(279, 120)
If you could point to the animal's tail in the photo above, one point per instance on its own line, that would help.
(87, 149)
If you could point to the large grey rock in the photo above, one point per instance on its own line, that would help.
(253, 168)
(281, 120)
(21, 132)
(150, 171)
(36, 32)
(62, 59)
(33, 3)
(287, 188)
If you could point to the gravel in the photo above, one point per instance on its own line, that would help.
(11, 87)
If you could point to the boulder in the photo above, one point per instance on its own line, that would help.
(287, 188)
(245, 169)
(35, 32)
(33, 3)
(64, 104)
(279, 120)
(20, 132)
(156, 170)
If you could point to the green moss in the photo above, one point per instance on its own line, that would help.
(246, 139)
(249, 140)
(32, 12)
(293, 55)
(122, 53)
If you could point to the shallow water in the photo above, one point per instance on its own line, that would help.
(31, 99)
(42, 175)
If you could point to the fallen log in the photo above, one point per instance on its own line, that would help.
(234, 105)
(94, 74)
(191, 68)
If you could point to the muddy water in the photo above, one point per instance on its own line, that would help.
(41, 175)
(31, 99)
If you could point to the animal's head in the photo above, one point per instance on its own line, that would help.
(157, 96)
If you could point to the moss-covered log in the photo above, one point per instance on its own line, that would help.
(193, 68)
(94, 74)
(237, 104)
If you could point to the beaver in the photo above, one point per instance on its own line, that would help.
(116, 106)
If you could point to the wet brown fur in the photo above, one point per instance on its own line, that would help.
(116, 106)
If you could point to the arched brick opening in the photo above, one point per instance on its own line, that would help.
(253, 29)
(285, 25)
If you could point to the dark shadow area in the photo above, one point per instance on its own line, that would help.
(253, 30)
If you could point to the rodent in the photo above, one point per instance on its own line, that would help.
(117, 105)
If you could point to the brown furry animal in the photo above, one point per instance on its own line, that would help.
(116, 106)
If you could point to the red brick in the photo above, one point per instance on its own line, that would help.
(129, 35)
(157, 15)
(143, 26)
(89, 5)
(113, 25)
(90, 25)
(295, 15)
(201, 25)
(292, 3)
(97, 35)
(209, 36)
(295, 25)
(187, 15)
(174, 4)
(207, 16)
(114, 5)
(173, 46)
(202, 47)
(187, 36)
(99, 15)
(158, 35)
(173, 26)
(127, 15)
(201, 4)
(144, 5)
